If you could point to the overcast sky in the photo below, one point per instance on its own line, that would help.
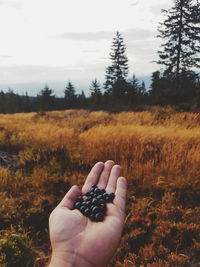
(53, 41)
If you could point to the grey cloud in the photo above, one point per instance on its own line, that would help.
(136, 34)
(87, 36)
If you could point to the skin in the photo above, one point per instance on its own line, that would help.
(75, 240)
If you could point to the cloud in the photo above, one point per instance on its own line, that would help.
(87, 36)
(138, 34)
(5, 56)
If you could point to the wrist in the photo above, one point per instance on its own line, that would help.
(68, 259)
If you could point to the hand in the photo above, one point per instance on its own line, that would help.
(77, 241)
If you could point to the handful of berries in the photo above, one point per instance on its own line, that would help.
(93, 203)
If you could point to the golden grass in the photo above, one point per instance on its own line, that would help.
(159, 151)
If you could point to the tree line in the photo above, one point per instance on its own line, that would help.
(175, 84)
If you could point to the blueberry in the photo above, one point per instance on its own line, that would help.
(82, 209)
(94, 186)
(97, 191)
(79, 199)
(101, 201)
(102, 191)
(99, 217)
(77, 205)
(105, 195)
(96, 210)
(99, 197)
(102, 207)
(94, 201)
(87, 212)
(87, 194)
(91, 194)
(88, 203)
(89, 198)
(110, 197)
(92, 217)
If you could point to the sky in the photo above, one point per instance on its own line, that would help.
(54, 41)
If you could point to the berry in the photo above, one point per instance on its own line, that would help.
(79, 199)
(87, 212)
(99, 217)
(97, 191)
(77, 205)
(94, 201)
(95, 210)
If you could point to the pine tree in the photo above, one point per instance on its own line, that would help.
(96, 95)
(181, 32)
(118, 71)
(95, 88)
(45, 99)
(70, 96)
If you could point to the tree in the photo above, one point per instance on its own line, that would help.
(118, 71)
(96, 95)
(181, 32)
(95, 88)
(70, 96)
(45, 99)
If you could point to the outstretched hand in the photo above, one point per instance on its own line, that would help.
(75, 239)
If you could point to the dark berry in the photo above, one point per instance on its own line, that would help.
(99, 217)
(101, 201)
(97, 191)
(92, 217)
(105, 195)
(89, 198)
(87, 194)
(79, 199)
(110, 197)
(91, 194)
(94, 201)
(77, 205)
(99, 197)
(87, 212)
(102, 191)
(88, 203)
(95, 210)
(93, 187)
(82, 209)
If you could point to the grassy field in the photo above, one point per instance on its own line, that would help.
(159, 151)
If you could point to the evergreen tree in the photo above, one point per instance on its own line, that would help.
(181, 32)
(45, 99)
(95, 88)
(70, 96)
(118, 71)
(96, 95)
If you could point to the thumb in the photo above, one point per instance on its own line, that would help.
(70, 197)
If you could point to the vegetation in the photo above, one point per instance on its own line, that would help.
(159, 153)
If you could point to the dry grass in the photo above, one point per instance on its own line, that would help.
(160, 155)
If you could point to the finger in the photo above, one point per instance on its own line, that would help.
(112, 181)
(120, 193)
(93, 176)
(70, 197)
(105, 174)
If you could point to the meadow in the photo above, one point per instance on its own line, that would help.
(159, 151)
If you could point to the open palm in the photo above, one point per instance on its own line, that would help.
(78, 240)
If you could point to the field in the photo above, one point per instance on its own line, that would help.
(159, 151)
